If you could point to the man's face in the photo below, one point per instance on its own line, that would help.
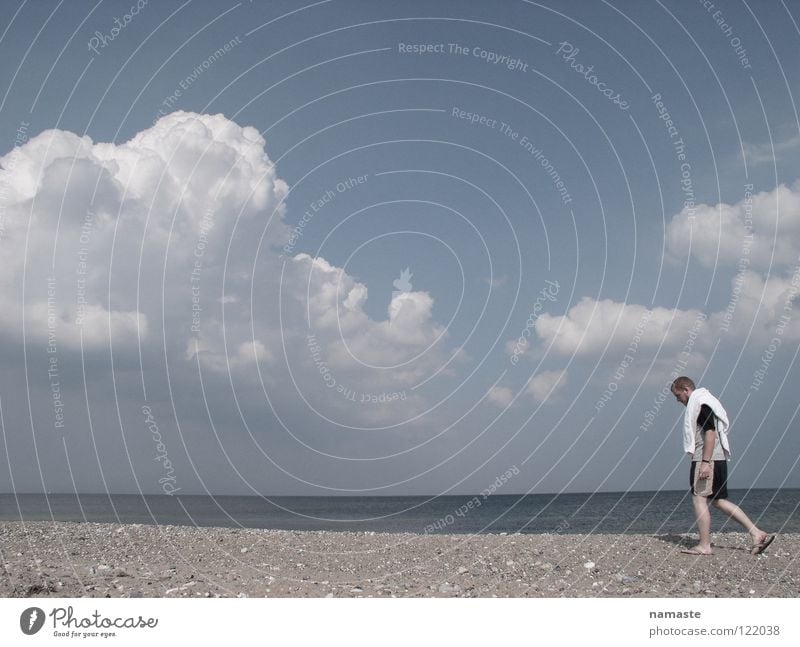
(682, 395)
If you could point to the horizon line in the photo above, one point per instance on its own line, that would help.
(354, 496)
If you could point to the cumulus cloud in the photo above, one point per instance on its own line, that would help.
(760, 231)
(500, 396)
(759, 310)
(342, 357)
(541, 386)
(592, 327)
(335, 303)
(169, 244)
(546, 384)
(89, 225)
(771, 151)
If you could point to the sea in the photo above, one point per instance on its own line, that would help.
(662, 512)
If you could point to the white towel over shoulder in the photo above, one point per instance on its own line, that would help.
(697, 399)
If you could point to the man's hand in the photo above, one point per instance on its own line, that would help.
(705, 471)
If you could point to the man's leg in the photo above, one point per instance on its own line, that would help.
(703, 517)
(737, 514)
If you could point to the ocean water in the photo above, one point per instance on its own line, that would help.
(604, 512)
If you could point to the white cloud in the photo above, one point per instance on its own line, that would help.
(759, 310)
(500, 396)
(770, 151)
(592, 326)
(757, 232)
(546, 384)
(76, 209)
(515, 344)
(170, 241)
(759, 307)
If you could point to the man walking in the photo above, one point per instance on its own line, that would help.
(705, 439)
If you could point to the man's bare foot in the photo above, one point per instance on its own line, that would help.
(698, 550)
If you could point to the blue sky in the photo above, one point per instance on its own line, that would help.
(588, 196)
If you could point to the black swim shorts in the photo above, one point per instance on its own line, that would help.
(719, 488)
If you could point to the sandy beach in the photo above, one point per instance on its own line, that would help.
(64, 559)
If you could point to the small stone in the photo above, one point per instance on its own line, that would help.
(446, 587)
(243, 550)
(589, 565)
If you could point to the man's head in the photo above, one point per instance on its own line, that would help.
(682, 388)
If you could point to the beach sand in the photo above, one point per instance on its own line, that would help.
(60, 559)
